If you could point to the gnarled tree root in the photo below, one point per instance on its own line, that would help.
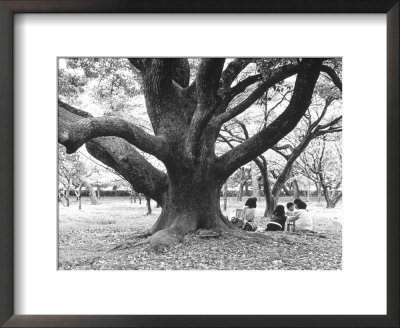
(157, 242)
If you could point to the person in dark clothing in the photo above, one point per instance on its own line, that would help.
(278, 219)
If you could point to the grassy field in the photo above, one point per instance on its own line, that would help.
(86, 236)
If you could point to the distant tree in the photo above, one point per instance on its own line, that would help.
(322, 164)
(225, 194)
(74, 174)
(66, 171)
(242, 177)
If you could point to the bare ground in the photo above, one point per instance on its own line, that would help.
(86, 237)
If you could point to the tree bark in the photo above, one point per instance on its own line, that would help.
(270, 200)
(271, 205)
(189, 206)
(286, 190)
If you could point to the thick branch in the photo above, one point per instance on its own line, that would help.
(281, 74)
(243, 84)
(233, 70)
(207, 81)
(74, 135)
(332, 74)
(120, 156)
(307, 77)
(138, 63)
(130, 164)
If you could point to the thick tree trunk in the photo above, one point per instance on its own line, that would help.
(79, 202)
(271, 204)
(270, 200)
(189, 206)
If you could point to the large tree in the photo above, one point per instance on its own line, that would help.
(186, 119)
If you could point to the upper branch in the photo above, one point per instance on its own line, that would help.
(332, 74)
(74, 135)
(283, 73)
(207, 81)
(233, 70)
(138, 63)
(308, 73)
(243, 84)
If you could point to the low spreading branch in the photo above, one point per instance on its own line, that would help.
(120, 156)
(78, 133)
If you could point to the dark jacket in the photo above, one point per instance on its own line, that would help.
(279, 219)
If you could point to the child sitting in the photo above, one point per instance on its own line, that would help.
(290, 209)
(289, 226)
(245, 221)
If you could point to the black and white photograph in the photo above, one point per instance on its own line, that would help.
(199, 163)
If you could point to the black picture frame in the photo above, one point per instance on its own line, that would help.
(11, 7)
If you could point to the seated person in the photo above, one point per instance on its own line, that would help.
(245, 221)
(290, 209)
(248, 214)
(304, 222)
(289, 226)
(296, 202)
(278, 220)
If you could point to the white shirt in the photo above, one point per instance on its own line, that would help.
(304, 221)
